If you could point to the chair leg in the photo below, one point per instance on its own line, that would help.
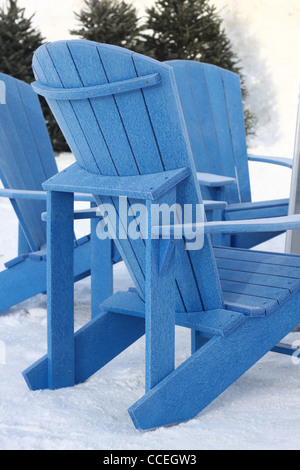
(60, 289)
(160, 316)
(96, 344)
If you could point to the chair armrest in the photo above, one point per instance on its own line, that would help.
(89, 213)
(242, 206)
(22, 194)
(214, 181)
(214, 205)
(147, 187)
(283, 161)
(272, 224)
(39, 195)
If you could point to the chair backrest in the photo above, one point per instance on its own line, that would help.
(211, 100)
(26, 154)
(137, 132)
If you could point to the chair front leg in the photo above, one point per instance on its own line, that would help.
(60, 289)
(160, 308)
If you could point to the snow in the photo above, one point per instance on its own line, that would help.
(259, 411)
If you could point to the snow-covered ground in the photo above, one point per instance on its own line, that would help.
(262, 409)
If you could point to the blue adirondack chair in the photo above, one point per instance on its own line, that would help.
(26, 161)
(211, 100)
(121, 114)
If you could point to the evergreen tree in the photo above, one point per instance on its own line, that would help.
(108, 21)
(191, 29)
(18, 41)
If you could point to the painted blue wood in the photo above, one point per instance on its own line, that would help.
(202, 378)
(264, 279)
(204, 290)
(235, 226)
(283, 161)
(23, 194)
(259, 213)
(149, 186)
(42, 195)
(101, 269)
(60, 289)
(287, 349)
(26, 161)
(210, 180)
(212, 105)
(96, 91)
(113, 139)
(256, 205)
(258, 256)
(233, 96)
(203, 100)
(236, 287)
(214, 205)
(91, 213)
(26, 155)
(160, 149)
(160, 317)
(260, 268)
(272, 224)
(211, 322)
(23, 246)
(27, 278)
(96, 344)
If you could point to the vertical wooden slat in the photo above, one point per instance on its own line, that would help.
(63, 111)
(215, 89)
(38, 129)
(233, 96)
(191, 115)
(206, 122)
(16, 167)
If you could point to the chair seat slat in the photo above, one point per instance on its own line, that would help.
(260, 279)
(258, 256)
